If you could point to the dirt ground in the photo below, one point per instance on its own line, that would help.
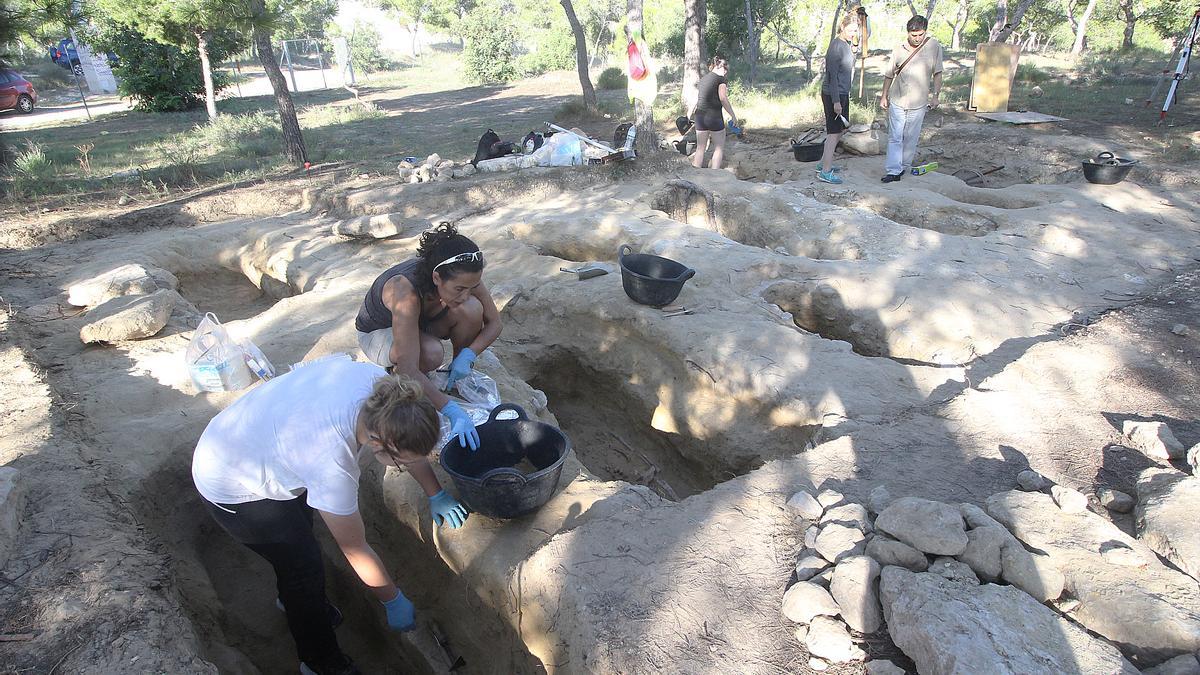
(929, 336)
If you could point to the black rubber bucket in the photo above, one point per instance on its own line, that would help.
(650, 279)
(1107, 169)
(487, 480)
(807, 152)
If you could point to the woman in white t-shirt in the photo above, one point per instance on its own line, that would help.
(293, 445)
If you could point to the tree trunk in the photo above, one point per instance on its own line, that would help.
(1081, 36)
(752, 42)
(960, 22)
(929, 7)
(647, 137)
(837, 14)
(293, 141)
(210, 94)
(1008, 28)
(695, 15)
(1130, 23)
(1001, 21)
(581, 56)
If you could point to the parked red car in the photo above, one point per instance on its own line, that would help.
(16, 92)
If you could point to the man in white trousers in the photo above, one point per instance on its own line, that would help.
(913, 67)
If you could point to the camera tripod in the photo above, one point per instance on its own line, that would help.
(1181, 68)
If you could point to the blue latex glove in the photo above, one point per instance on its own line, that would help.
(460, 367)
(401, 615)
(461, 426)
(447, 510)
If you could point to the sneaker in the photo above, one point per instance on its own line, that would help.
(335, 614)
(891, 177)
(829, 177)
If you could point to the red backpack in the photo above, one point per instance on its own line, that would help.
(637, 65)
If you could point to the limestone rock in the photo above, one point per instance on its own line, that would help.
(1034, 574)
(823, 579)
(12, 507)
(878, 500)
(928, 526)
(1165, 516)
(801, 632)
(1115, 500)
(953, 570)
(805, 505)
(829, 498)
(124, 280)
(977, 517)
(838, 541)
(828, 639)
(850, 515)
(129, 317)
(1070, 501)
(891, 552)
(947, 628)
(809, 565)
(982, 554)
(1180, 329)
(810, 536)
(855, 589)
(432, 160)
(1030, 480)
(1154, 439)
(805, 600)
(817, 664)
(1152, 611)
(873, 142)
(381, 226)
(883, 667)
(1184, 664)
(1193, 457)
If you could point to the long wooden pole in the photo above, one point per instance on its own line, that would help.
(862, 54)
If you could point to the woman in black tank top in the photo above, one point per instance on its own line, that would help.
(413, 306)
(712, 95)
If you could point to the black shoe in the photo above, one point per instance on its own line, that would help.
(891, 178)
(340, 665)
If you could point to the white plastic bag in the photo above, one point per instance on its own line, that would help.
(215, 361)
(477, 396)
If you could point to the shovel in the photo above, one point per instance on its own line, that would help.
(586, 272)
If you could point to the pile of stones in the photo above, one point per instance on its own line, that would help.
(433, 170)
(1034, 581)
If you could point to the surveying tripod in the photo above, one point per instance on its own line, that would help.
(1181, 69)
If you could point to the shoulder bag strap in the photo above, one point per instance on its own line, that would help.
(910, 56)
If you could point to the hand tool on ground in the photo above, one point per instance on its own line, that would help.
(586, 271)
(922, 169)
(679, 313)
(975, 178)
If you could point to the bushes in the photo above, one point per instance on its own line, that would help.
(32, 169)
(488, 55)
(611, 78)
(366, 51)
(554, 50)
(158, 77)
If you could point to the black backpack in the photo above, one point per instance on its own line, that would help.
(533, 141)
(484, 148)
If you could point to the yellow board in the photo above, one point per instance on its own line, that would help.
(995, 68)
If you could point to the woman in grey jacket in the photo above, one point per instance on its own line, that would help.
(835, 92)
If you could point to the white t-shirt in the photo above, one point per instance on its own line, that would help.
(293, 433)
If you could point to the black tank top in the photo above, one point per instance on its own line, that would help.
(374, 315)
(708, 95)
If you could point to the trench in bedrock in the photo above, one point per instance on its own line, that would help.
(229, 592)
(614, 422)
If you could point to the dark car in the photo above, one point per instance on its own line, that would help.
(65, 55)
(16, 92)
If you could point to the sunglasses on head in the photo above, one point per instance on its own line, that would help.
(473, 256)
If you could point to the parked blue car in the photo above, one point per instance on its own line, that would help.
(65, 55)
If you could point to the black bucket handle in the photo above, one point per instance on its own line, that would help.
(508, 406)
(503, 476)
(687, 274)
(623, 250)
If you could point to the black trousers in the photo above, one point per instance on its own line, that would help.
(281, 532)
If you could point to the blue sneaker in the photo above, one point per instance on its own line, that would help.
(829, 177)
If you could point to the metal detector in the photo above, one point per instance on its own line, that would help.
(1181, 68)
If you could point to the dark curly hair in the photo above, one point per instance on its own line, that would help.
(441, 243)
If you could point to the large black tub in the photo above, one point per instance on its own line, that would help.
(651, 279)
(516, 468)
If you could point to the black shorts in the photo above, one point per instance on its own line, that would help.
(833, 125)
(709, 120)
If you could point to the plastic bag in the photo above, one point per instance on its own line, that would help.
(560, 150)
(476, 394)
(215, 361)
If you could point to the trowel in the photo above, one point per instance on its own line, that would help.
(586, 272)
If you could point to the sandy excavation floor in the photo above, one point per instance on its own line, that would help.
(928, 336)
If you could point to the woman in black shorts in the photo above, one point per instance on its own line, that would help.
(835, 93)
(712, 95)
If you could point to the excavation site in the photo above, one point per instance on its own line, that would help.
(933, 423)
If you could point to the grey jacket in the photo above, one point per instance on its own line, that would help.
(839, 69)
